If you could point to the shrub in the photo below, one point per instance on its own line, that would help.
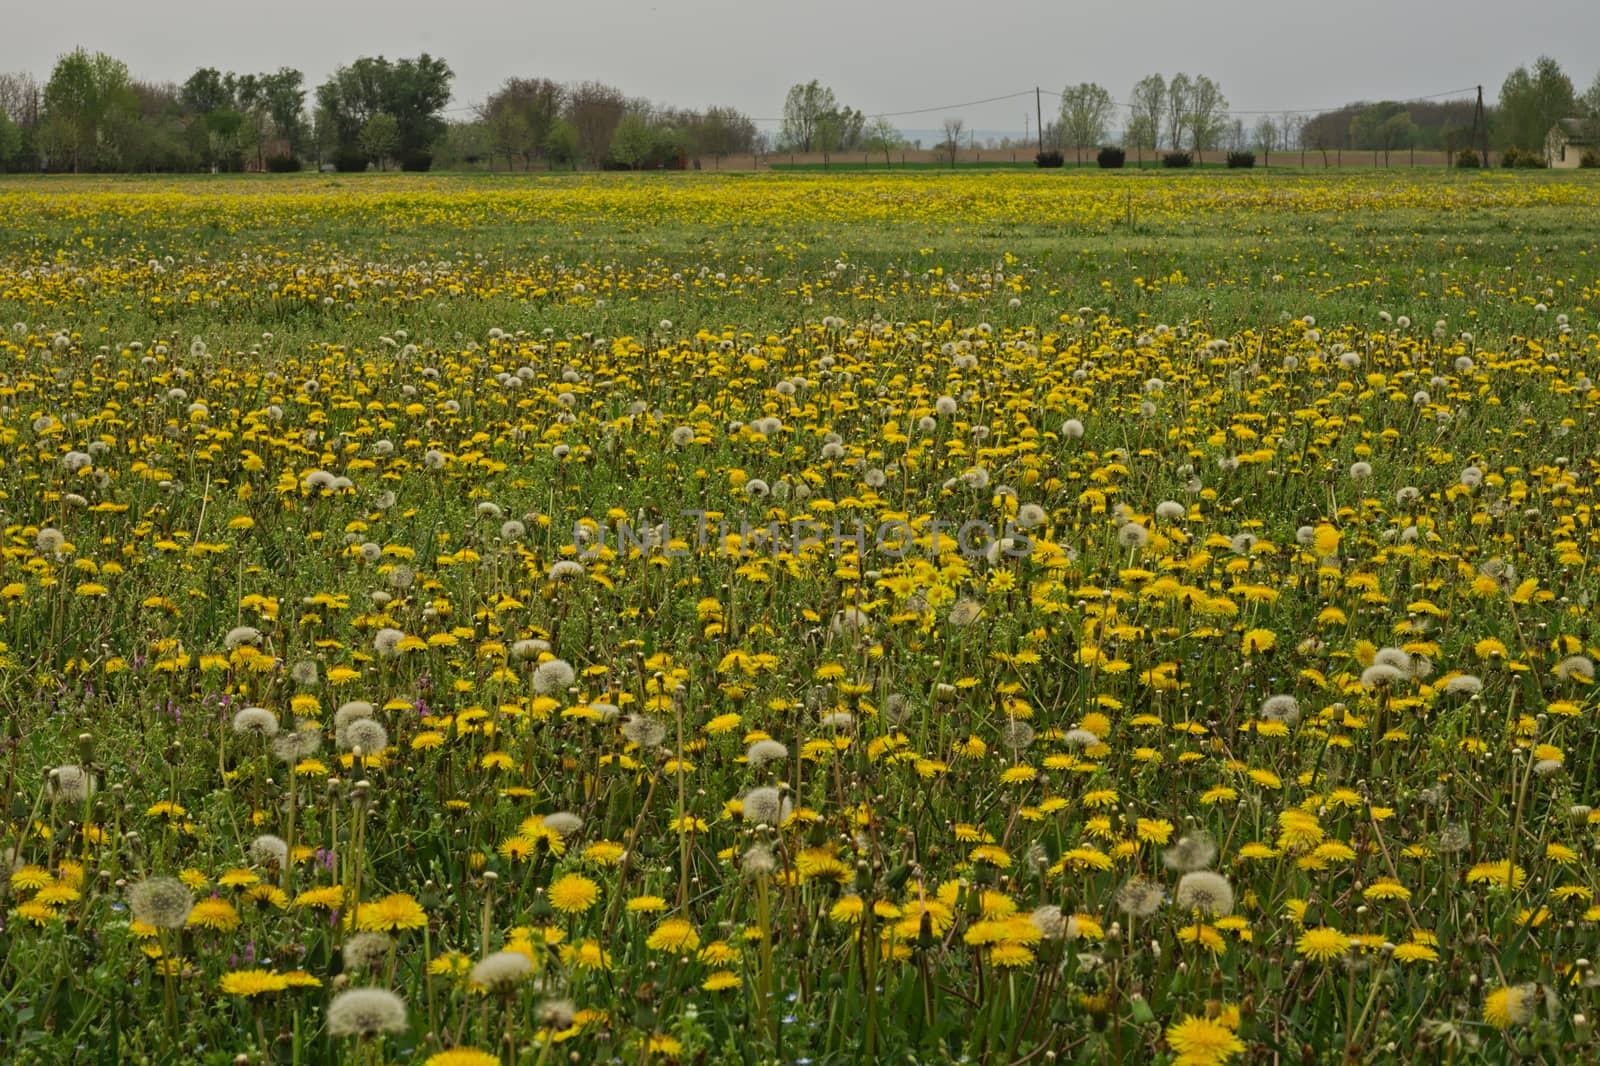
(1523, 160)
(1111, 158)
(1241, 160)
(1467, 159)
(350, 162)
(417, 161)
(1051, 158)
(1590, 160)
(283, 164)
(1177, 160)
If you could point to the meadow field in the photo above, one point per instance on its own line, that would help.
(979, 617)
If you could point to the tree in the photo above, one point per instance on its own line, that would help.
(412, 91)
(1086, 111)
(720, 132)
(20, 99)
(561, 143)
(1148, 103)
(85, 94)
(1532, 103)
(951, 144)
(807, 107)
(10, 141)
(1591, 108)
(631, 142)
(882, 137)
(380, 138)
(207, 91)
(1179, 90)
(1382, 127)
(1207, 113)
(594, 111)
(284, 97)
(463, 144)
(1265, 138)
(520, 114)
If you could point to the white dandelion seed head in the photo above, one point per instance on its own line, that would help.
(553, 675)
(367, 734)
(501, 970)
(255, 721)
(365, 1012)
(164, 902)
(765, 806)
(564, 822)
(1205, 891)
(763, 752)
(270, 850)
(70, 784)
(1193, 851)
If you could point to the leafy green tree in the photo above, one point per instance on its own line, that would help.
(206, 91)
(85, 94)
(412, 91)
(380, 138)
(1531, 103)
(284, 96)
(631, 141)
(10, 142)
(561, 143)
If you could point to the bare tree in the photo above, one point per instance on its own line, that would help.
(1265, 138)
(883, 137)
(594, 109)
(1148, 102)
(20, 96)
(1208, 113)
(519, 116)
(953, 129)
(1086, 110)
(1179, 90)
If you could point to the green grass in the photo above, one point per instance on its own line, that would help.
(1320, 415)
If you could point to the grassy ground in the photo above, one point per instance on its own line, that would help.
(343, 724)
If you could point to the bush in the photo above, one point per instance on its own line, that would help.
(1522, 160)
(1111, 158)
(283, 164)
(1051, 158)
(1177, 160)
(1241, 160)
(1590, 160)
(417, 161)
(1467, 159)
(350, 161)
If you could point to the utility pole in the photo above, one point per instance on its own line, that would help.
(1480, 128)
(1039, 110)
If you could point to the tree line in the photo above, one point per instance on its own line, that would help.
(92, 114)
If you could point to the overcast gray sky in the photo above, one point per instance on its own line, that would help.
(878, 55)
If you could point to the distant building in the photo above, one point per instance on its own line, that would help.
(1568, 140)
